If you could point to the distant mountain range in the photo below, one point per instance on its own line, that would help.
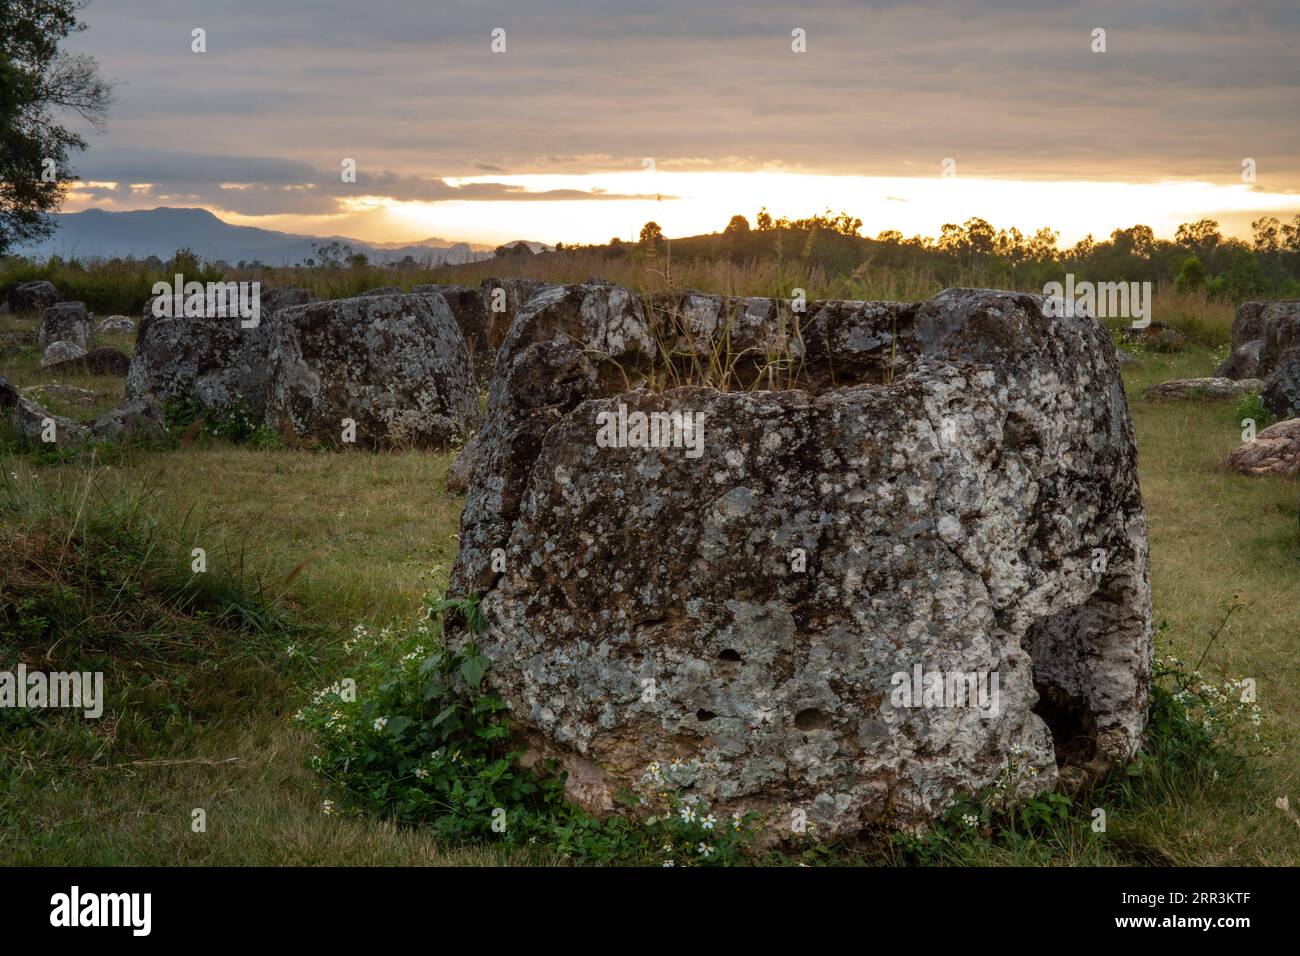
(97, 233)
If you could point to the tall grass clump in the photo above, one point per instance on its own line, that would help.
(90, 581)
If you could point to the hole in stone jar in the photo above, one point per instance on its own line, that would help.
(729, 655)
(1059, 653)
(810, 719)
(703, 715)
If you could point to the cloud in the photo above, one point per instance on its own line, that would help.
(413, 92)
(265, 186)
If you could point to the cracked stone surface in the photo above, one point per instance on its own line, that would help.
(30, 420)
(953, 488)
(1281, 391)
(1275, 451)
(1202, 389)
(216, 360)
(1280, 333)
(33, 296)
(396, 365)
(66, 322)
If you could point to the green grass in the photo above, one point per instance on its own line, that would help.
(204, 672)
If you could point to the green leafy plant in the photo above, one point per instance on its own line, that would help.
(419, 739)
(1252, 406)
(237, 424)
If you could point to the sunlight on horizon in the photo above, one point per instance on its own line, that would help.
(693, 203)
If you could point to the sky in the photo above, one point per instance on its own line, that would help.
(600, 115)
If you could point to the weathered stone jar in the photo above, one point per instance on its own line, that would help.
(919, 572)
(381, 371)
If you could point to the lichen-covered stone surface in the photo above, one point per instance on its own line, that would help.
(1281, 333)
(395, 365)
(34, 424)
(215, 360)
(33, 296)
(1281, 391)
(482, 337)
(141, 417)
(66, 322)
(960, 497)
(61, 355)
(116, 325)
(1242, 363)
(566, 344)
(1201, 389)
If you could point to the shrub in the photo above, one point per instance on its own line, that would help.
(1191, 276)
(1252, 406)
(239, 425)
(419, 739)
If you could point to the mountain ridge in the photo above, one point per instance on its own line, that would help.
(101, 233)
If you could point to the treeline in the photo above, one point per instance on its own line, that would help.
(764, 258)
(1199, 257)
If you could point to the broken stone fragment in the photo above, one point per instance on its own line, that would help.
(1275, 451)
(1202, 389)
(138, 417)
(38, 427)
(98, 361)
(116, 325)
(61, 354)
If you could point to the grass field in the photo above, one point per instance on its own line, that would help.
(303, 546)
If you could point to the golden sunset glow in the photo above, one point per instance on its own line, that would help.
(694, 202)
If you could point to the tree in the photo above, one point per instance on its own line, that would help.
(1245, 277)
(1291, 235)
(516, 248)
(1267, 234)
(739, 226)
(1137, 241)
(1083, 249)
(1191, 276)
(651, 234)
(36, 80)
(332, 255)
(1201, 237)
(184, 261)
(1042, 245)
